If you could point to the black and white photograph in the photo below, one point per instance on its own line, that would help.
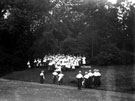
(67, 50)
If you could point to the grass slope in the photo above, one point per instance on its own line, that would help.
(114, 78)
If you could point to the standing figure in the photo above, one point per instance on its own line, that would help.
(42, 77)
(97, 76)
(28, 64)
(79, 78)
(90, 79)
(54, 77)
(60, 78)
(86, 82)
(84, 60)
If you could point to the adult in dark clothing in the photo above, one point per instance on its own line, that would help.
(79, 78)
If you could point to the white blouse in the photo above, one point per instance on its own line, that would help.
(79, 76)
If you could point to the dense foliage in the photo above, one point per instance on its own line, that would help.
(101, 31)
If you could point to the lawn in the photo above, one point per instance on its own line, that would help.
(114, 78)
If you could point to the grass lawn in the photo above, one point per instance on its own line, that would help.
(114, 78)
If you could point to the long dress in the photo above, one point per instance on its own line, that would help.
(79, 81)
(97, 81)
(86, 81)
(54, 77)
(90, 80)
(41, 77)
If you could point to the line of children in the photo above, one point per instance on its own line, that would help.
(89, 80)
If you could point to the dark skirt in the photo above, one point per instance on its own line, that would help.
(97, 81)
(54, 79)
(86, 83)
(61, 81)
(79, 83)
(90, 82)
(41, 79)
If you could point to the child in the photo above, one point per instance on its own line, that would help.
(60, 78)
(42, 77)
(79, 78)
(55, 74)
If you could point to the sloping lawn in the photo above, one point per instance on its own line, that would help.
(114, 78)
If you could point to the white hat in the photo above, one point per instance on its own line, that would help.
(86, 72)
(95, 70)
(80, 71)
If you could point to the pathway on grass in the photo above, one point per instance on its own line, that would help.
(11, 90)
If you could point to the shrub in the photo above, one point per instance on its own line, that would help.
(72, 80)
(127, 57)
(111, 55)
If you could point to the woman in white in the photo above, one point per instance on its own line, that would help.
(84, 60)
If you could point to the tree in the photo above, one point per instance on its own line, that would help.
(17, 20)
